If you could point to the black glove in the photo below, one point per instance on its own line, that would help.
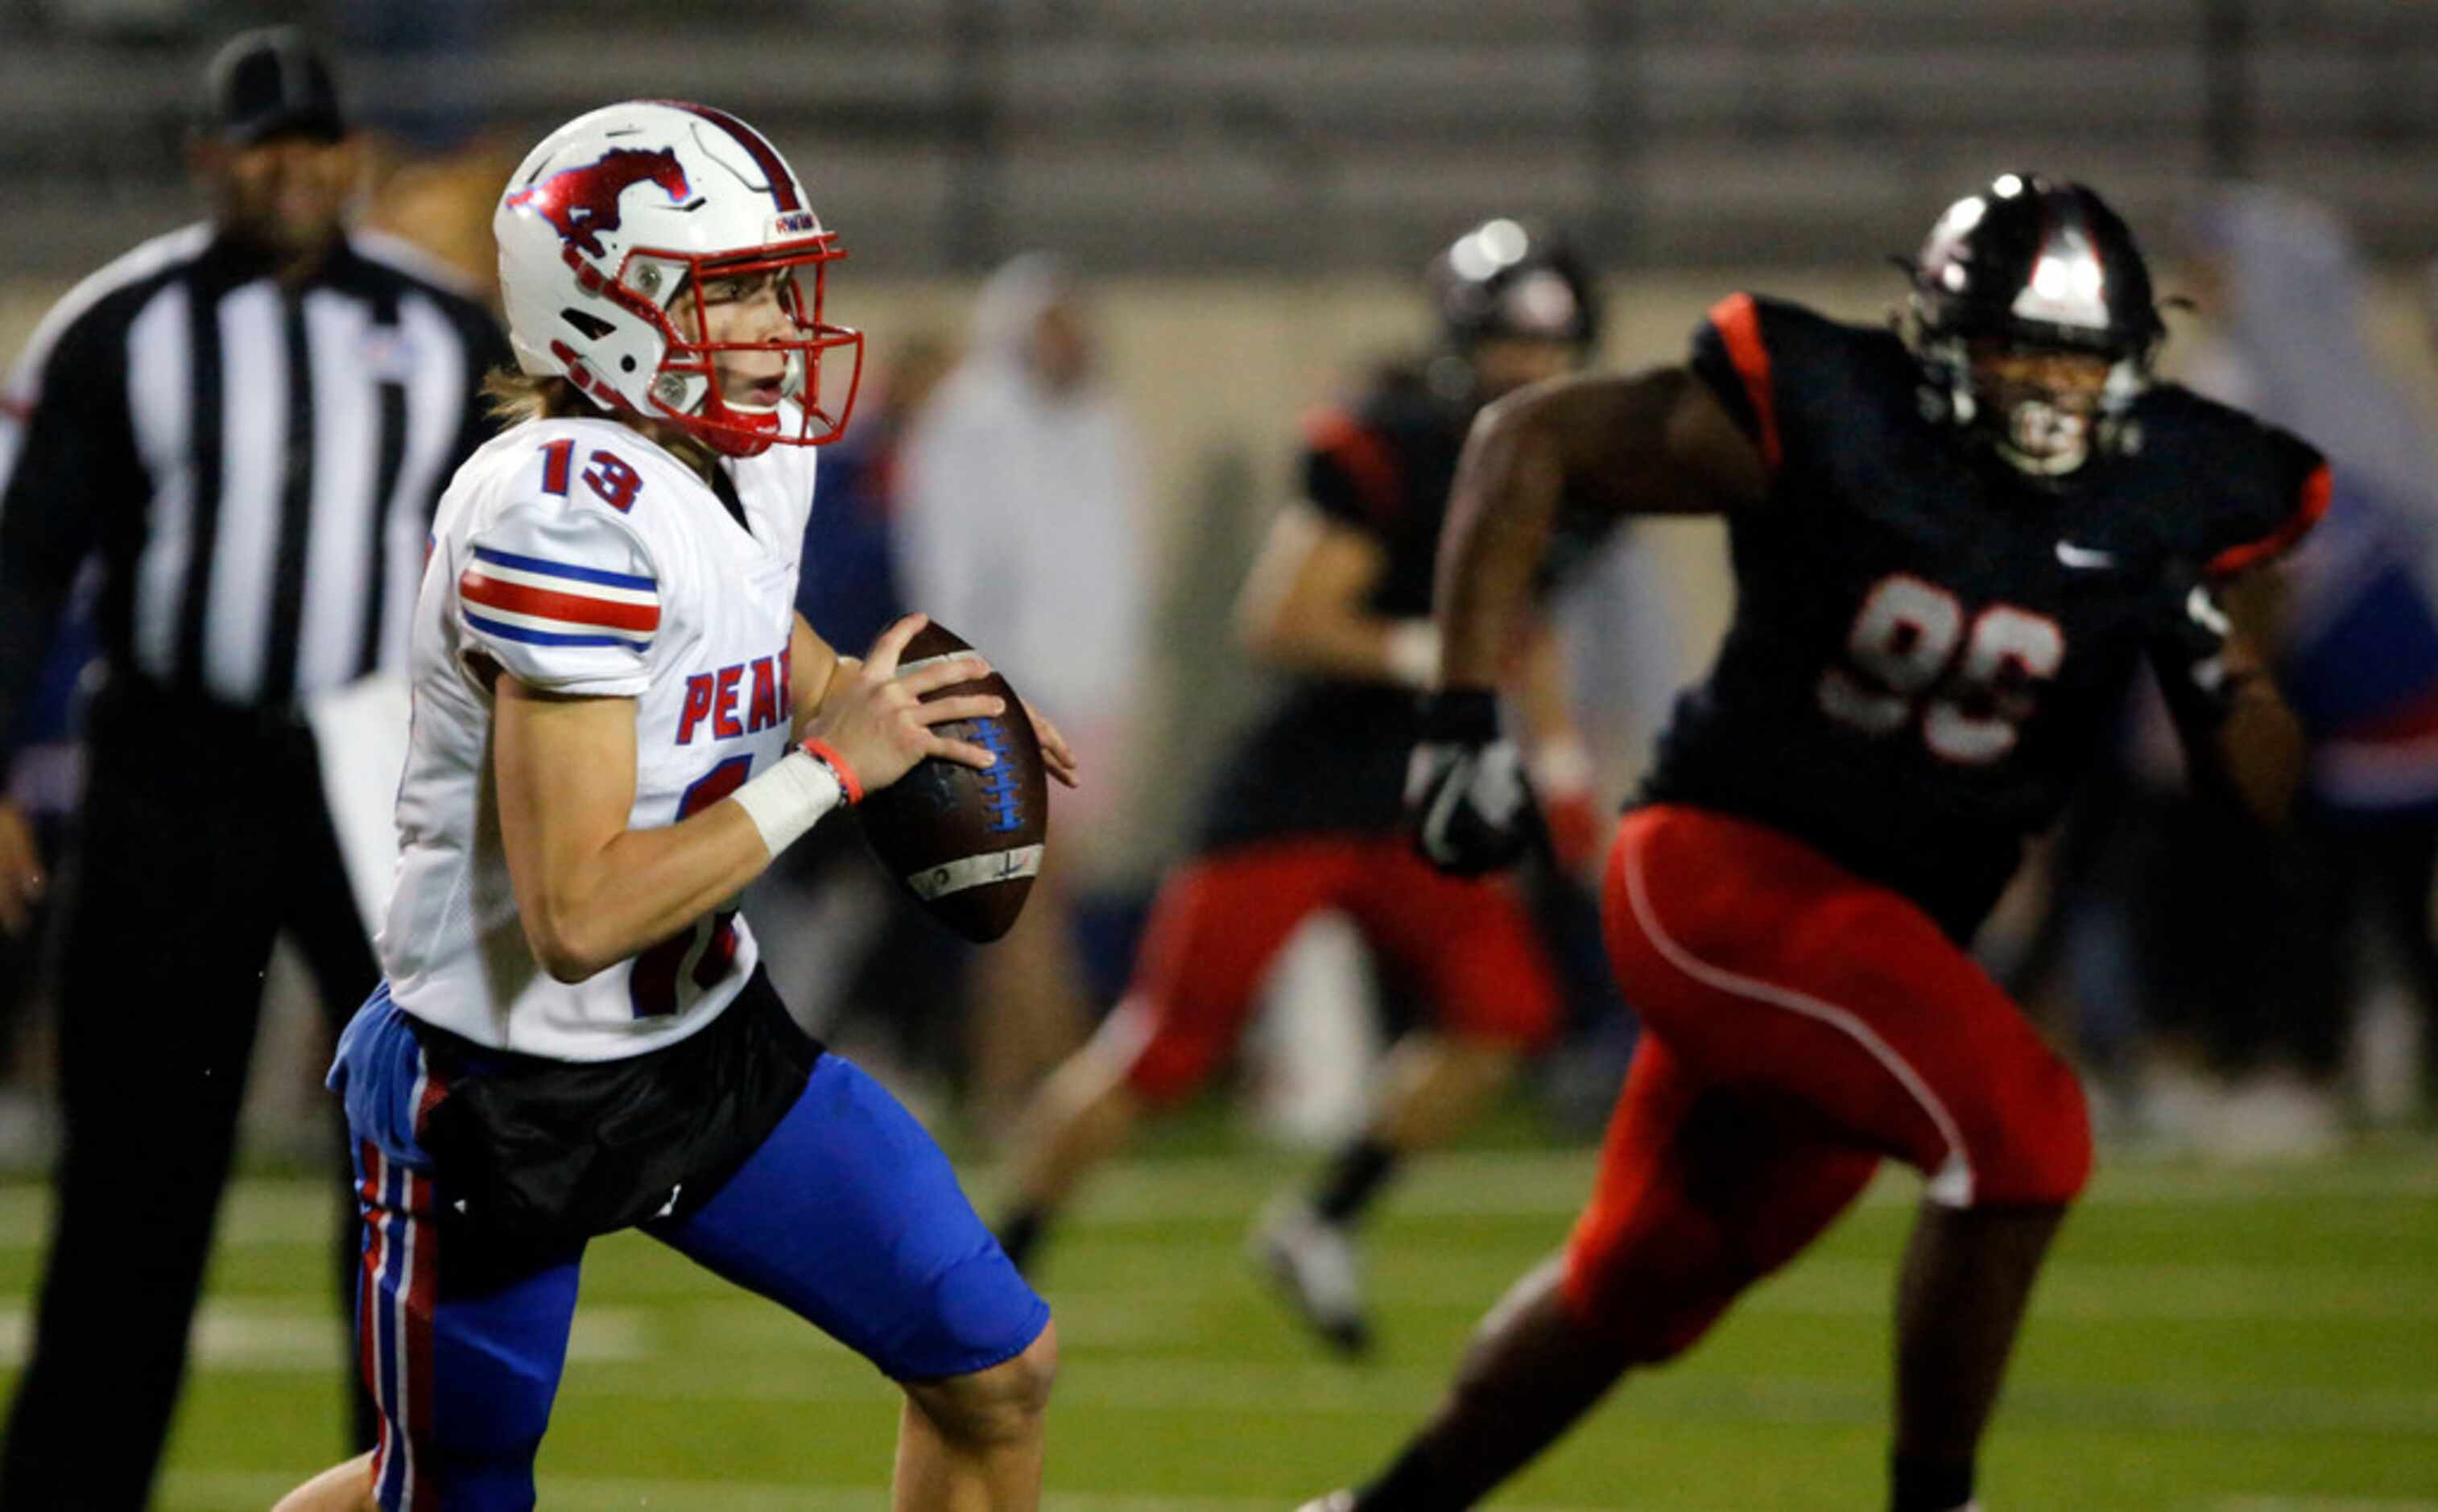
(2188, 636)
(1468, 805)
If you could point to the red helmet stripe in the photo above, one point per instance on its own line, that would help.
(783, 184)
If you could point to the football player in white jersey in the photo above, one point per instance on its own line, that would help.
(618, 720)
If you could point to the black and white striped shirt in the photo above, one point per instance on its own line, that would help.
(255, 465)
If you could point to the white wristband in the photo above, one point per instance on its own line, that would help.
(789, 798)
(1413, 653)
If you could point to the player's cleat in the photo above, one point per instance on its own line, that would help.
(1334, 1502)
(1312, 1262)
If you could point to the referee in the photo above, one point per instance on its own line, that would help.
(245, 425)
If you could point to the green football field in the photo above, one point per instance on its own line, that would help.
(2241, 1341)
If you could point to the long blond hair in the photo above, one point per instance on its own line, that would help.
(515, 397)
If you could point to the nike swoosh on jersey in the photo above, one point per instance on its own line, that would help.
(2084, 559)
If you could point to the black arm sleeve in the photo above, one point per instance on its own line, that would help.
(75, 448)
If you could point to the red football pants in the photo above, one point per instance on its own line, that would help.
(1219, 923)
(1798, 1023)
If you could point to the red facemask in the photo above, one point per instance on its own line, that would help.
(822, 399)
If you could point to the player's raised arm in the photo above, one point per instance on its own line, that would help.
(2216, 607)
(1306, 609)
(1657, 442)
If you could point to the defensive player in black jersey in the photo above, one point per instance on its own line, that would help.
(1952, 545)
(1305, 815)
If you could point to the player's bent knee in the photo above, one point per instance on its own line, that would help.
(1649, 1299)
(2041, 1156)
(1641, 1327)
(1649, 1329)
(1002, 1404)
(1029, 1377)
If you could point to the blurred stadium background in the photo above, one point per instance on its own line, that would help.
(1253, 185)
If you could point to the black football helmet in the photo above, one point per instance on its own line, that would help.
(2032, 265)
(1507, 278)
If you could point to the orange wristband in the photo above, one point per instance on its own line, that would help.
(825, 753)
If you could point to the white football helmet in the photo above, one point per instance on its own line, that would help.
(625, 209)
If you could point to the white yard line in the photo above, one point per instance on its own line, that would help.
(234, 1338)
(1817, 1286)
(253, 1336)
(613, 1359)
(211, 1491)
(1202, 1384)
(1520, 1184)
(1530, 1183)
(225, 1491)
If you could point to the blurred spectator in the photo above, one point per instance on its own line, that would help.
(427, 96)
(1304, 817)
(434, 178)
(2354, 626)
(2253, 942)
(848, 587)
(862, 970)
(1021, 530)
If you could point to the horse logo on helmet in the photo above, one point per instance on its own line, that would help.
(582, 202)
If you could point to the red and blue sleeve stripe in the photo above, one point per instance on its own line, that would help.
(561, 603)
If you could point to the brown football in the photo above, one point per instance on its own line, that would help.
(967, 844)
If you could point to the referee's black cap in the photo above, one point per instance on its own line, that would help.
(271, 82)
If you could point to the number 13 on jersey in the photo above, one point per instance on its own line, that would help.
(1913, 655)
